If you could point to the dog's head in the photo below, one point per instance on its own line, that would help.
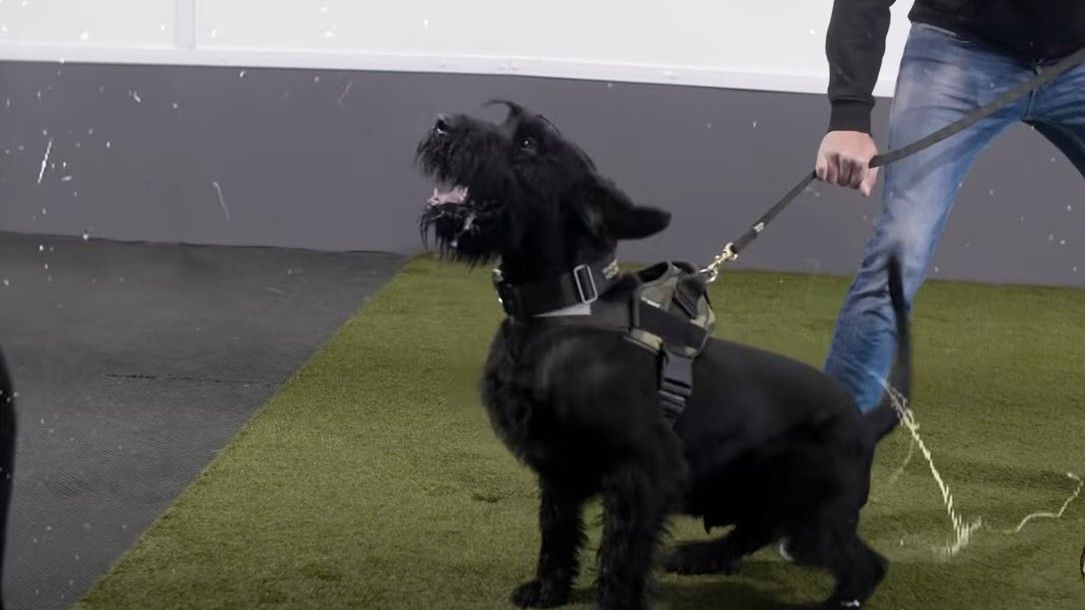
(518, 189)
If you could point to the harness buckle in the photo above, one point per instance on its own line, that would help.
(579, 272)
(675, 383)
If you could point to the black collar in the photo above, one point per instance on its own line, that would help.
(583, 284)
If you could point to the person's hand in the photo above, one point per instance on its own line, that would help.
(844, 158)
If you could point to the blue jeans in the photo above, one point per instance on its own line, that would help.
(942, 77)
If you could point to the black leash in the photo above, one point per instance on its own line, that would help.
(731, 250)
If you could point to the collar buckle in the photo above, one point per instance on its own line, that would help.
(585, 284)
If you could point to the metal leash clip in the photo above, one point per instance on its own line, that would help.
(712, 271)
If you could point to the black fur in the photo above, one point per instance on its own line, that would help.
(7, 459)
(767, 444)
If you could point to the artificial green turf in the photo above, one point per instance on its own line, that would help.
(373, 479)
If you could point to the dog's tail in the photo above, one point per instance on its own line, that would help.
(883, 418)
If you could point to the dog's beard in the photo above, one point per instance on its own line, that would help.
(462, 227)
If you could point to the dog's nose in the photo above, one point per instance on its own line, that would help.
(441, 127)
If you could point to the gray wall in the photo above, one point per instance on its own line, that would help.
(322, 160)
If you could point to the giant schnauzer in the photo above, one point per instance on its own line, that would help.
(766, 444)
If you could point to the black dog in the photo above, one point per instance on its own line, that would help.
(7, 459)
(767, 444)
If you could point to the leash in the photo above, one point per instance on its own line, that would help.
(731, 250)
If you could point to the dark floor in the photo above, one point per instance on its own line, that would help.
(134, 364)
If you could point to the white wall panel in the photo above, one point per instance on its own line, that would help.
(87, 23)
(769, 44)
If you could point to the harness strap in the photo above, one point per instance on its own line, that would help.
(672, 328)
(677, 332)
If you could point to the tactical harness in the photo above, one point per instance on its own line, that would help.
(668, 313)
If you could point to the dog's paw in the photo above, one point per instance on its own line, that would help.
(539, 593)
(700, 558)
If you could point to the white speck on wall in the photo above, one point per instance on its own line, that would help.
(755, 124)
(316, 79)
(991, 192)
(214, 33)
(222, 201)
(135, 96)
(85, 35)
(175, 105)
(329, 33)
(1050, 237)
(45, 160)
(162, 28)
(241, 74)
(343, 95)
(108, 144)
(1069, 207)
(425, 23)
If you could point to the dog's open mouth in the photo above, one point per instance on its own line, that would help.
(446, 195)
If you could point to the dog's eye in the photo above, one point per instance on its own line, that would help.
(528, 143)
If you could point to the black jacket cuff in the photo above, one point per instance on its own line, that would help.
(850, 116)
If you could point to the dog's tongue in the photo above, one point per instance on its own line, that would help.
(455, 194)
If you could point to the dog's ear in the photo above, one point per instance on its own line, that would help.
(608, 213)
(515, 110)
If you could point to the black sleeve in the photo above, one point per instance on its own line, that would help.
(854, 45)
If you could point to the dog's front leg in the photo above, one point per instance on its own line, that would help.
(635, 503)
(562, 529)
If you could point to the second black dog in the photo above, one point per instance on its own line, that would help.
(767, 444)
(7, 458)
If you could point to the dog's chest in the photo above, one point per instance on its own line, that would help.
(510, 399)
